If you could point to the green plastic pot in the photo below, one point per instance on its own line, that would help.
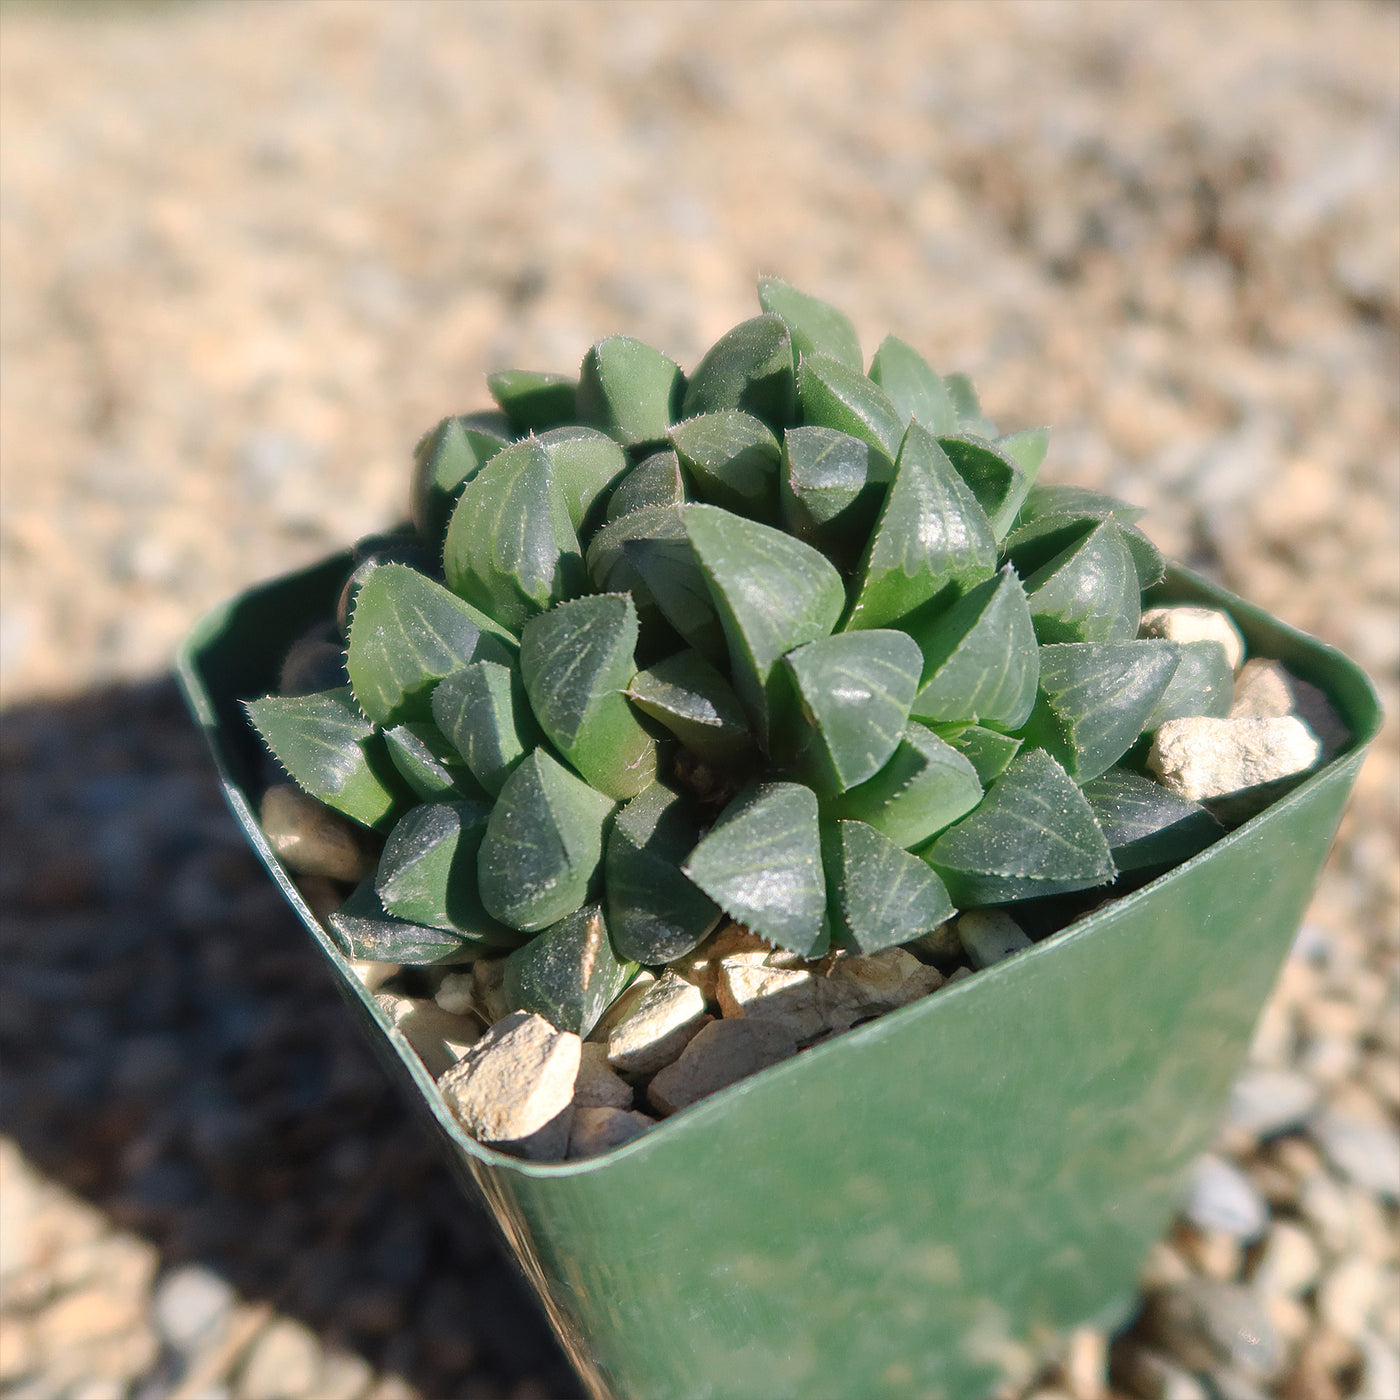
(914, 1208)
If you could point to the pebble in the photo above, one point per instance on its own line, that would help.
(1267, 689)
(880, 982)
(597, 1130)
(989, 935)
(1193, 624)
(1221, 1197)
(702, 966)
(438, 1037)
(1152, 1375)
(489, 989)
(456, 993)
(1380, 1369)
(1202, 757)
(1289, 1264)
(1265, 1102)
(721, 1054)
(283, 1364)
(1205, 1323)
(309, 838)
(514, 1087)
(787, 997)
(1347, 1295)
(1365, 1152)
(597, 1085)
(191, 1308)
(659, 1026)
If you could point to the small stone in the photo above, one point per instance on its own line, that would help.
(1192, 624)
(621, 1006)
(373, 975)
(514, 1088)
(1266, 1102)
(1348, 1294)
(1380, 1369)
(1292, 1320)
(1164, 1268)
(1215, 1253)
(1227, 1384)
(701, 967)
(658, 1028)
(788, 997)
(1289, 1264)
(1365, 1152)
(456, 993)
(722, 1053)
(1315, 1375)
(309, 838)
(989, 935)
(596, 1130)
(344, 1376)
(1151, 1375)
(438, 1038)
(1267, 689)
(1202, 757)
(942, 944)
(958, 974)
(880, 982)
(488, 987)
(283, 1364)
(313, 663)
(1085, 1365)
(191, 1308)
(1221, 1197)
(1205, 1323)
(18, 1353)
(597, 1086)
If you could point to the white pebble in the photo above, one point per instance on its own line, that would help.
(1193, 624)
(1203, 757)
(723, 1053)
(989, 935)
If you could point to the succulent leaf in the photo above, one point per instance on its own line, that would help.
(543, 843)
(733, 458)
(761, 863)
(1145, 824)
(483, 711)
(879, 894)
(749, 368)
(576, 661)
(695, 702)
(816, 328)
(831, 488)
(968, 407)
(1202, 684)
(586, 464)
(1033, 834)
(932, 538)
(630, 390)
(445, 460)
(568, 974)
(366, 930)
(429, 764)
(1089, 593)
(331, 751)
(655, 481)
(655, 911)
(986, 750)
(993, 477)
(913, 387)
(533, 401)
(1026, 448)
(832, 395)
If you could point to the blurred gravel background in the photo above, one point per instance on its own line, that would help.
(250, 250)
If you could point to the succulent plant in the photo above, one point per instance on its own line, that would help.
(783, 640)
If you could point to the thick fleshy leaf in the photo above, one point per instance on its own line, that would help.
(366, 930)
(331, 751)
(1033, 834)
(913, 387)
(771, 591)
(1145, 824)
(926, 786)
(879, 895)
(427, 873)
(534, 401)
(981, 661)
(655, 481)
(993, 477)
(816, 328)
(733, 458)
(761, 863)
(587, 464)
(1090, 593)
(749, 368)
(567, 974)
(986, 750)
(1095, 698)
(374, 551)
(831, 395)
(1058, 500)
(1032, 544)
(576, 661)
(511, 548)
(655, 912)
(832, 485)
(1203, 684)
(430, 764)
(483, 711)
(971, 419)
(697, 704)
(444, 460)
(406, 634)
(543, 843)
(854, 690)
(1026, 448)
(932, 538)
(629, 390)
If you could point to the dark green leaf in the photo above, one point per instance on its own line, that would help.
(854, 690)
(981, 661)
(629, 390)
(914, 389)
(331, 751)
(695, 702)
(772, 593)
(369, 554)
(444, 461)
(1203, 684)
(1033, 834)
(879, 894)
(761, 863)
(993, 477)
(1057, 501)
(749, 368)
(1090, 593)
(932, 537)
(1031, 545)
(568, 974)
(1026, 448)
(543, 843)
(656, 481)
(366, 930)
(971, 419)
(482, 710)
(924, 787)
(576, 661)
(987, 751)
(832, 485)
(587, 463)
(1145, 824)
(511, 548)
(834, 396)
(733, 459)
(1095, 698)
(429, 764)
(816, 328)
(406, 634)
(534, 401)
(655, 912)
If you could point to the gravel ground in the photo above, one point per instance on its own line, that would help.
(249, 251)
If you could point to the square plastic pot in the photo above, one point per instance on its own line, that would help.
(912, 1208)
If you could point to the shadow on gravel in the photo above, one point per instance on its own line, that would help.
(175, 1052)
